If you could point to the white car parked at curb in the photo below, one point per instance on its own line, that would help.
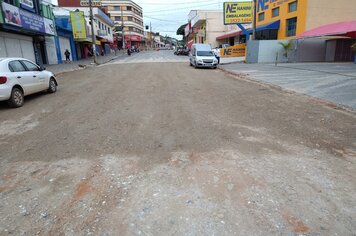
(20, 77)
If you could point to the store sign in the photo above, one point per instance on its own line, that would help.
(49, 26)
(32, 21)
(133, 38)
(237, 50)
(11, 14)
(78, 24)
(27, 4)
(266, 4)
(27, 20)
(238, 12)
(94, 3)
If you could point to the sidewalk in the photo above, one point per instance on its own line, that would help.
(81, 64)
(334, 82)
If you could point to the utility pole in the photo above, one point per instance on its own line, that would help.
(254, 20)
(151, 36)
(92, 30)
(122, 30)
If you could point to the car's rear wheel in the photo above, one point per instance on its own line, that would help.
(16, 99)
(52, 86)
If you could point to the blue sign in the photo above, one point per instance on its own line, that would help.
(32, 21)
(262, 5)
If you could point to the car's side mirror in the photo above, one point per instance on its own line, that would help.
(42, 68)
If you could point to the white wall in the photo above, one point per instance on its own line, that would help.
(265, 51)
(268, 50)
(214, 27)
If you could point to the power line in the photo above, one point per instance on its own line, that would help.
(162, 19)
(176, 3)
(175, 9)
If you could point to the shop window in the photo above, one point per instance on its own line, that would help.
(261, 16)
(117, 8)
(275, 12)
(293, 6)
(291, 27)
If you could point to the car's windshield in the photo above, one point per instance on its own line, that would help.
(205, 53)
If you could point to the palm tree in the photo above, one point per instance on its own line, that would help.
(286, 46)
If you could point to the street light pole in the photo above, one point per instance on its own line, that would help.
(254, 20)
(151, 36)
(92, 30)
(122, 30)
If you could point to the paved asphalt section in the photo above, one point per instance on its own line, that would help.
(147, 145)
(334, 82)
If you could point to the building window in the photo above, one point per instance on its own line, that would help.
(130, 28)
(275, 12)
(129, 18)
(117, 18)
(291, 27)
(129, 8)
(261, 16)
(109, 31)
(293, 6)
(12, 2)
(117, 8)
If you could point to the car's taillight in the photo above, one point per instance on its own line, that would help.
(3, 79)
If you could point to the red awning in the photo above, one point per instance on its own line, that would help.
(133, 37)
(340, 28)
(229, 35)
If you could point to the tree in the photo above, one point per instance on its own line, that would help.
(180, 30)
(286, 46)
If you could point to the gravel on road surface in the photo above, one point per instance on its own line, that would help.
(166, 149)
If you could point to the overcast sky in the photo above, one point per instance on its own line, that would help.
(167, 15)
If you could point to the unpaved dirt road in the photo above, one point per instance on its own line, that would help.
(165, 149)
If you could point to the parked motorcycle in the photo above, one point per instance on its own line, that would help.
(182, 51)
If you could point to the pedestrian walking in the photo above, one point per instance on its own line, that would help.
(216, 52)
(67, 54)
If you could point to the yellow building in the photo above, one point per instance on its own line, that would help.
(283, 19)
